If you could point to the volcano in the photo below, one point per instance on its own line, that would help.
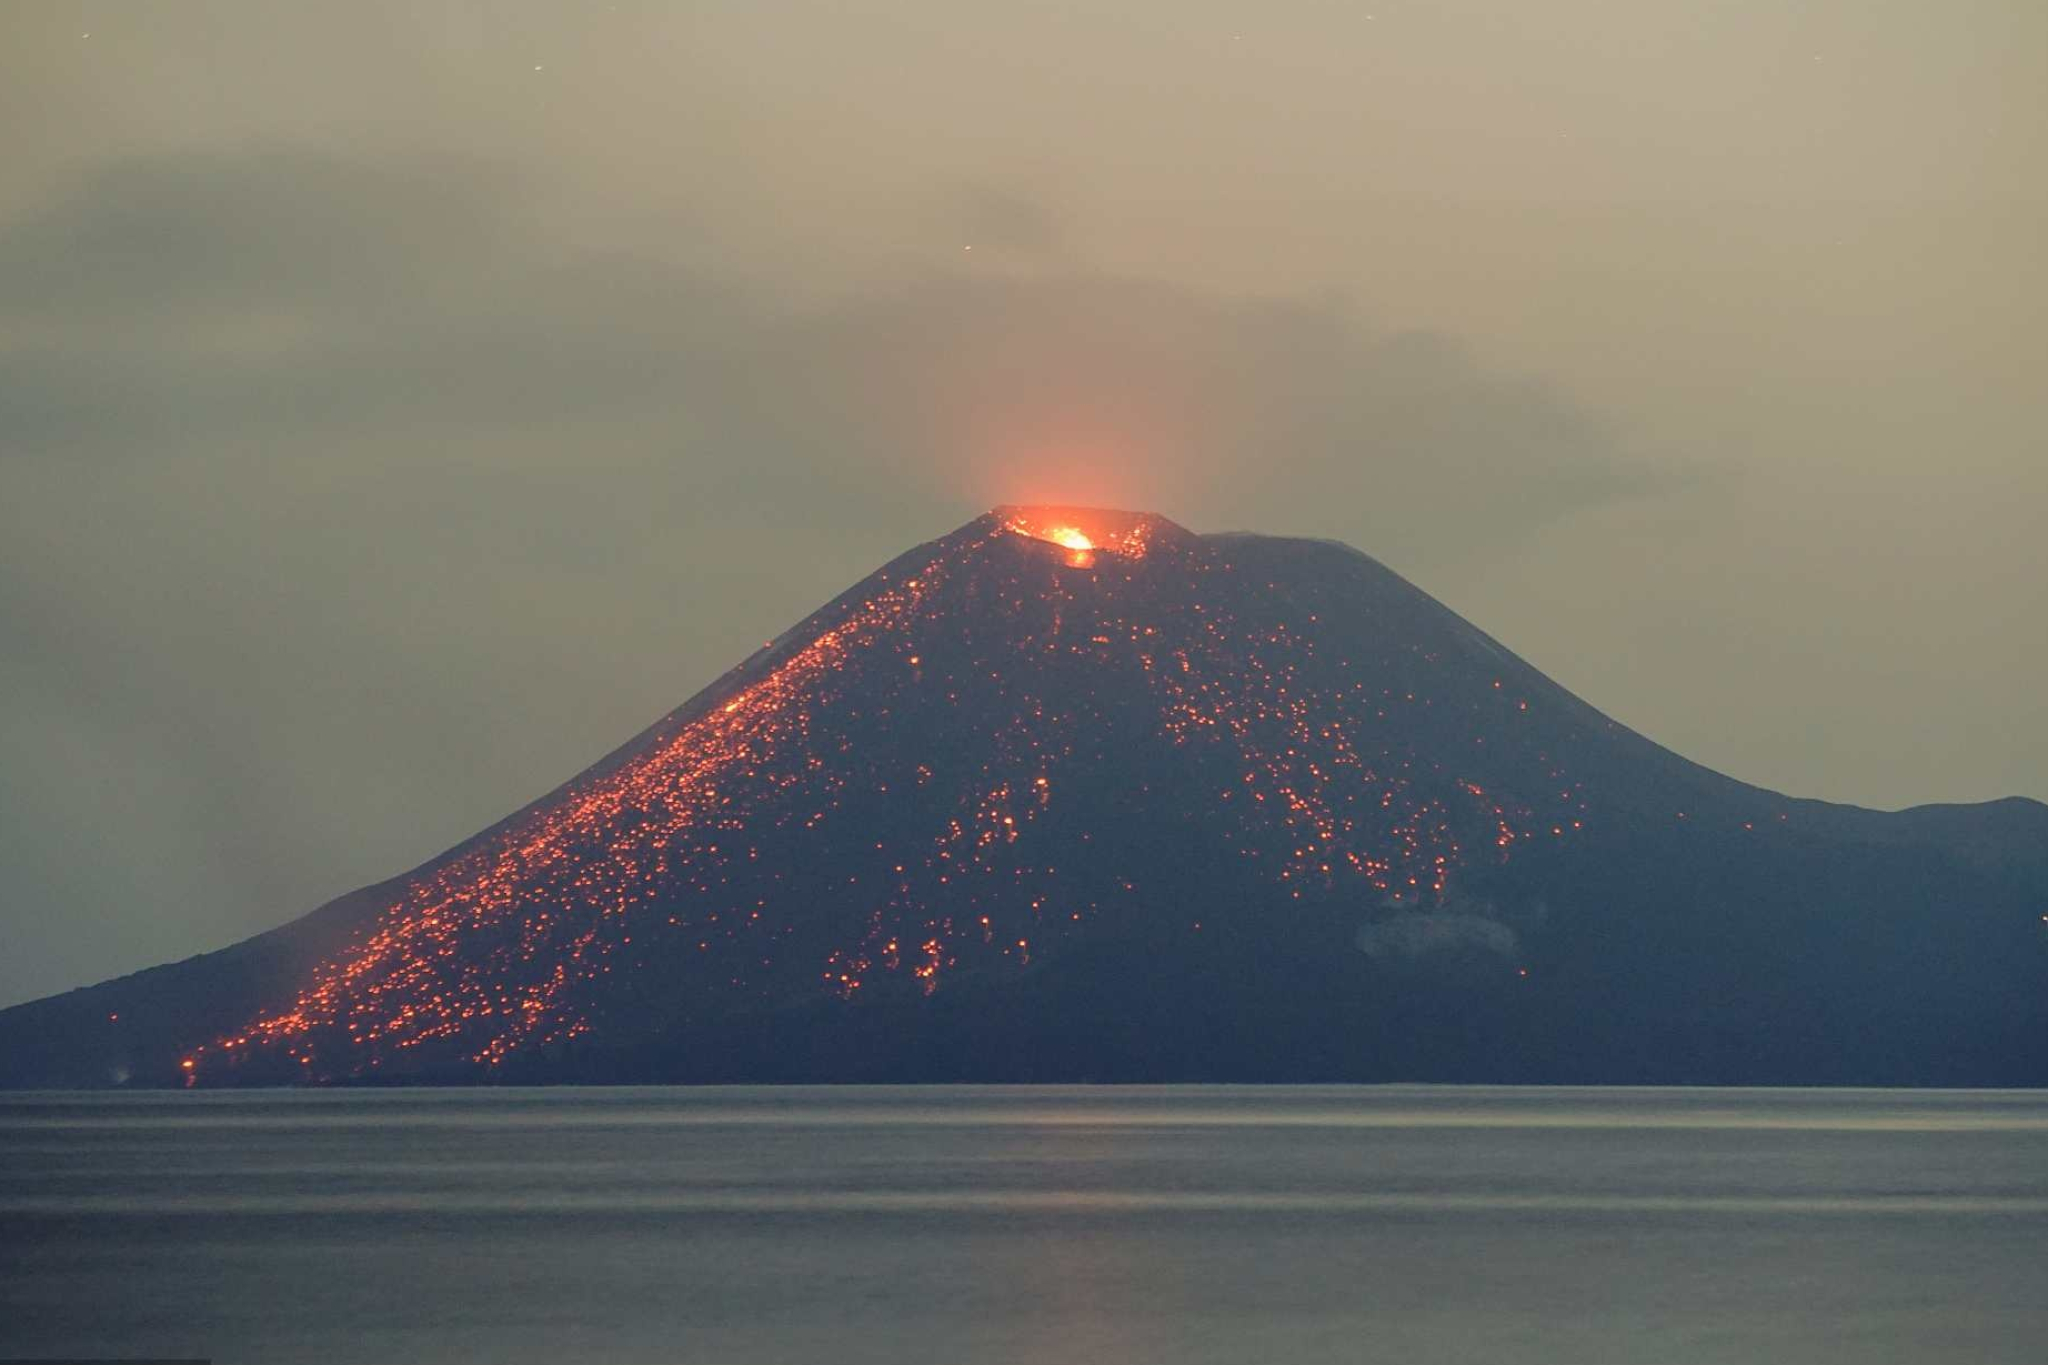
(1075, 794)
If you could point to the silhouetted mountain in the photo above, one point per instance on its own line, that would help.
(1078, 795)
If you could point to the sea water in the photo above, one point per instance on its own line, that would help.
(1028, 1224)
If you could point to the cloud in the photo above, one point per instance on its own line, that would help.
(291, 301)
(989, 217)
(1242, 411)
(175, 239)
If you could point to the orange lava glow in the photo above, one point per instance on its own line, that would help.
(1082, 531)
(669, 872)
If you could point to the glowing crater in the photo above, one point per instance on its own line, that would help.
(1083, 532)
(1073, 537)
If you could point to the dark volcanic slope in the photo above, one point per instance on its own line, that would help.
(1076, 794)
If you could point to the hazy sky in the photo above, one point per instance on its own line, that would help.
(400, 405)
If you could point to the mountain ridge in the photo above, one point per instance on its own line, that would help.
(1321, 669)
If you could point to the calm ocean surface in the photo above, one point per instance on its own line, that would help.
(1408, 1224)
